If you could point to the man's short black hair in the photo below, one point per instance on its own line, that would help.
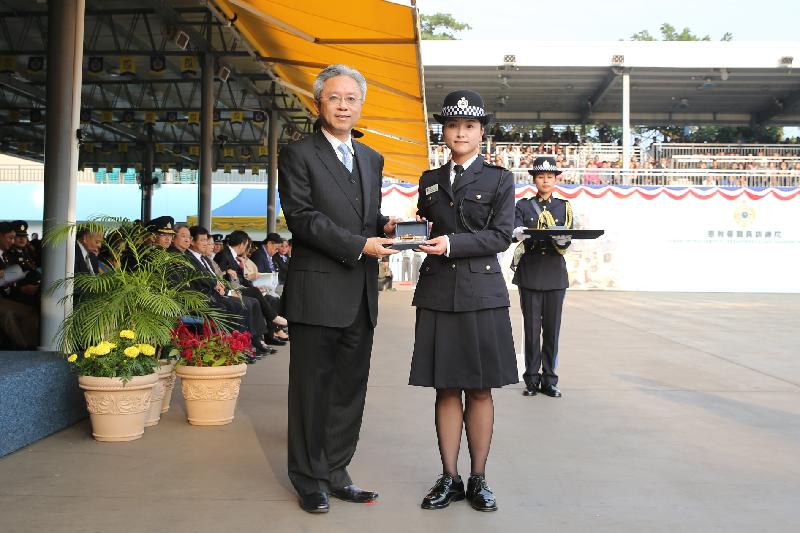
(196, 231)
(273, 238)
(6, 227)
(237, 237)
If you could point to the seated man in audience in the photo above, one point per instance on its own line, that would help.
(281, 261)
(231, 261)
(266, 250)
(191, 243)
(87, 248)
(217, 241)
(27, 290)
(19, 323)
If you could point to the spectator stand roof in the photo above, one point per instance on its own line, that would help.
(580, 82)
(141, 78)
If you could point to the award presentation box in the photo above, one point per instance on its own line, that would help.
(409, 235)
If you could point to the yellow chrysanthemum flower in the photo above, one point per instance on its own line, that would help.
(101, 349)
(127, 334)
(131, 351)
(72, 358)
(89, 352)
(147, 349)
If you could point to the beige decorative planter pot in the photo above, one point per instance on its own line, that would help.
(164, 372)
(117, 410)
(169, 383)
(210, 393)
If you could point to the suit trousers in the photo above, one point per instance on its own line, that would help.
(541, 311)
(328, 373)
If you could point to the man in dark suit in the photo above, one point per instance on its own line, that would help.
(87, 246)
(330, 189)
(190, 242)
(262, 257)
(230, 260)
(281, 261)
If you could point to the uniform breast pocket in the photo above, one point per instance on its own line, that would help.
(476, 207)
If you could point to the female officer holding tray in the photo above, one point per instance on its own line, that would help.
(463, 338)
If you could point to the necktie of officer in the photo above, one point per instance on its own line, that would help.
(347, 157)
(459, 170)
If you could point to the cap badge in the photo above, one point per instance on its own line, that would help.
(169, 226)
(22, 227)
(463, 103)
(546, 164)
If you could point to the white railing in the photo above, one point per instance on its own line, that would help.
(29, 173)
(661, 150)
(673, 177)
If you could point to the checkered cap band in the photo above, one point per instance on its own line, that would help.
(469, 111)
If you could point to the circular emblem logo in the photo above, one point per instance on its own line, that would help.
(744, 216)
(463, 103)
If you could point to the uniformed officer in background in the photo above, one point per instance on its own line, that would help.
(541, 276)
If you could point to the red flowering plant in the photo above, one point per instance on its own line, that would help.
(210, 347)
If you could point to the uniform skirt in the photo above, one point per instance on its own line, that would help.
(466, 350)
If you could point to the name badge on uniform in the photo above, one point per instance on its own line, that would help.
(432, 189)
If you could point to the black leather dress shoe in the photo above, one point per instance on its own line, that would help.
(275, 341)
(480, 496)
(446, 489)
(530, 390)
(551, 390)
(351, 493)
(316, 502)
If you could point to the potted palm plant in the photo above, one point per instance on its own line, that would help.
(211, 364)
(141, 288)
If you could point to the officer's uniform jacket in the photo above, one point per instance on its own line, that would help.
(469, 279)
(542, 266)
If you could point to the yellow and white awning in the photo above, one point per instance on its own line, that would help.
(379, 38)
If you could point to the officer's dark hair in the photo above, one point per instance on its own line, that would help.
(237, 237)
(6, 227)
(196, 231)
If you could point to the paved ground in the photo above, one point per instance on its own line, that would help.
(681, 412)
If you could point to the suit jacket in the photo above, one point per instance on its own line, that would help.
(206, 285)
(470, 278)
(80, 263)
(542, 266)
(326, 281)
(226, 262)
(262, 259)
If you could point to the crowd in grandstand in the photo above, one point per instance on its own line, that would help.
(235, 266)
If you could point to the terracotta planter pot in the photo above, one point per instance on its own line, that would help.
(169, 384)
(164, 372)
(118, 411)
(210, 393)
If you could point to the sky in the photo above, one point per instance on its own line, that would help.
(597, 20)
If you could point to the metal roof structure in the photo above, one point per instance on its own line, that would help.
(580, 82)
(142, 79)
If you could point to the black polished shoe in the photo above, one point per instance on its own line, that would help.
(530, 390)
(316, 502)
(351, 493)
(275, 341)
(551, 390)
(446, 489)
(480, 496)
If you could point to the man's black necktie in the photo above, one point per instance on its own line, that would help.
(459, 170)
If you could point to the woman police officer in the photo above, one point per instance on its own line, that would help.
(463, 336)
